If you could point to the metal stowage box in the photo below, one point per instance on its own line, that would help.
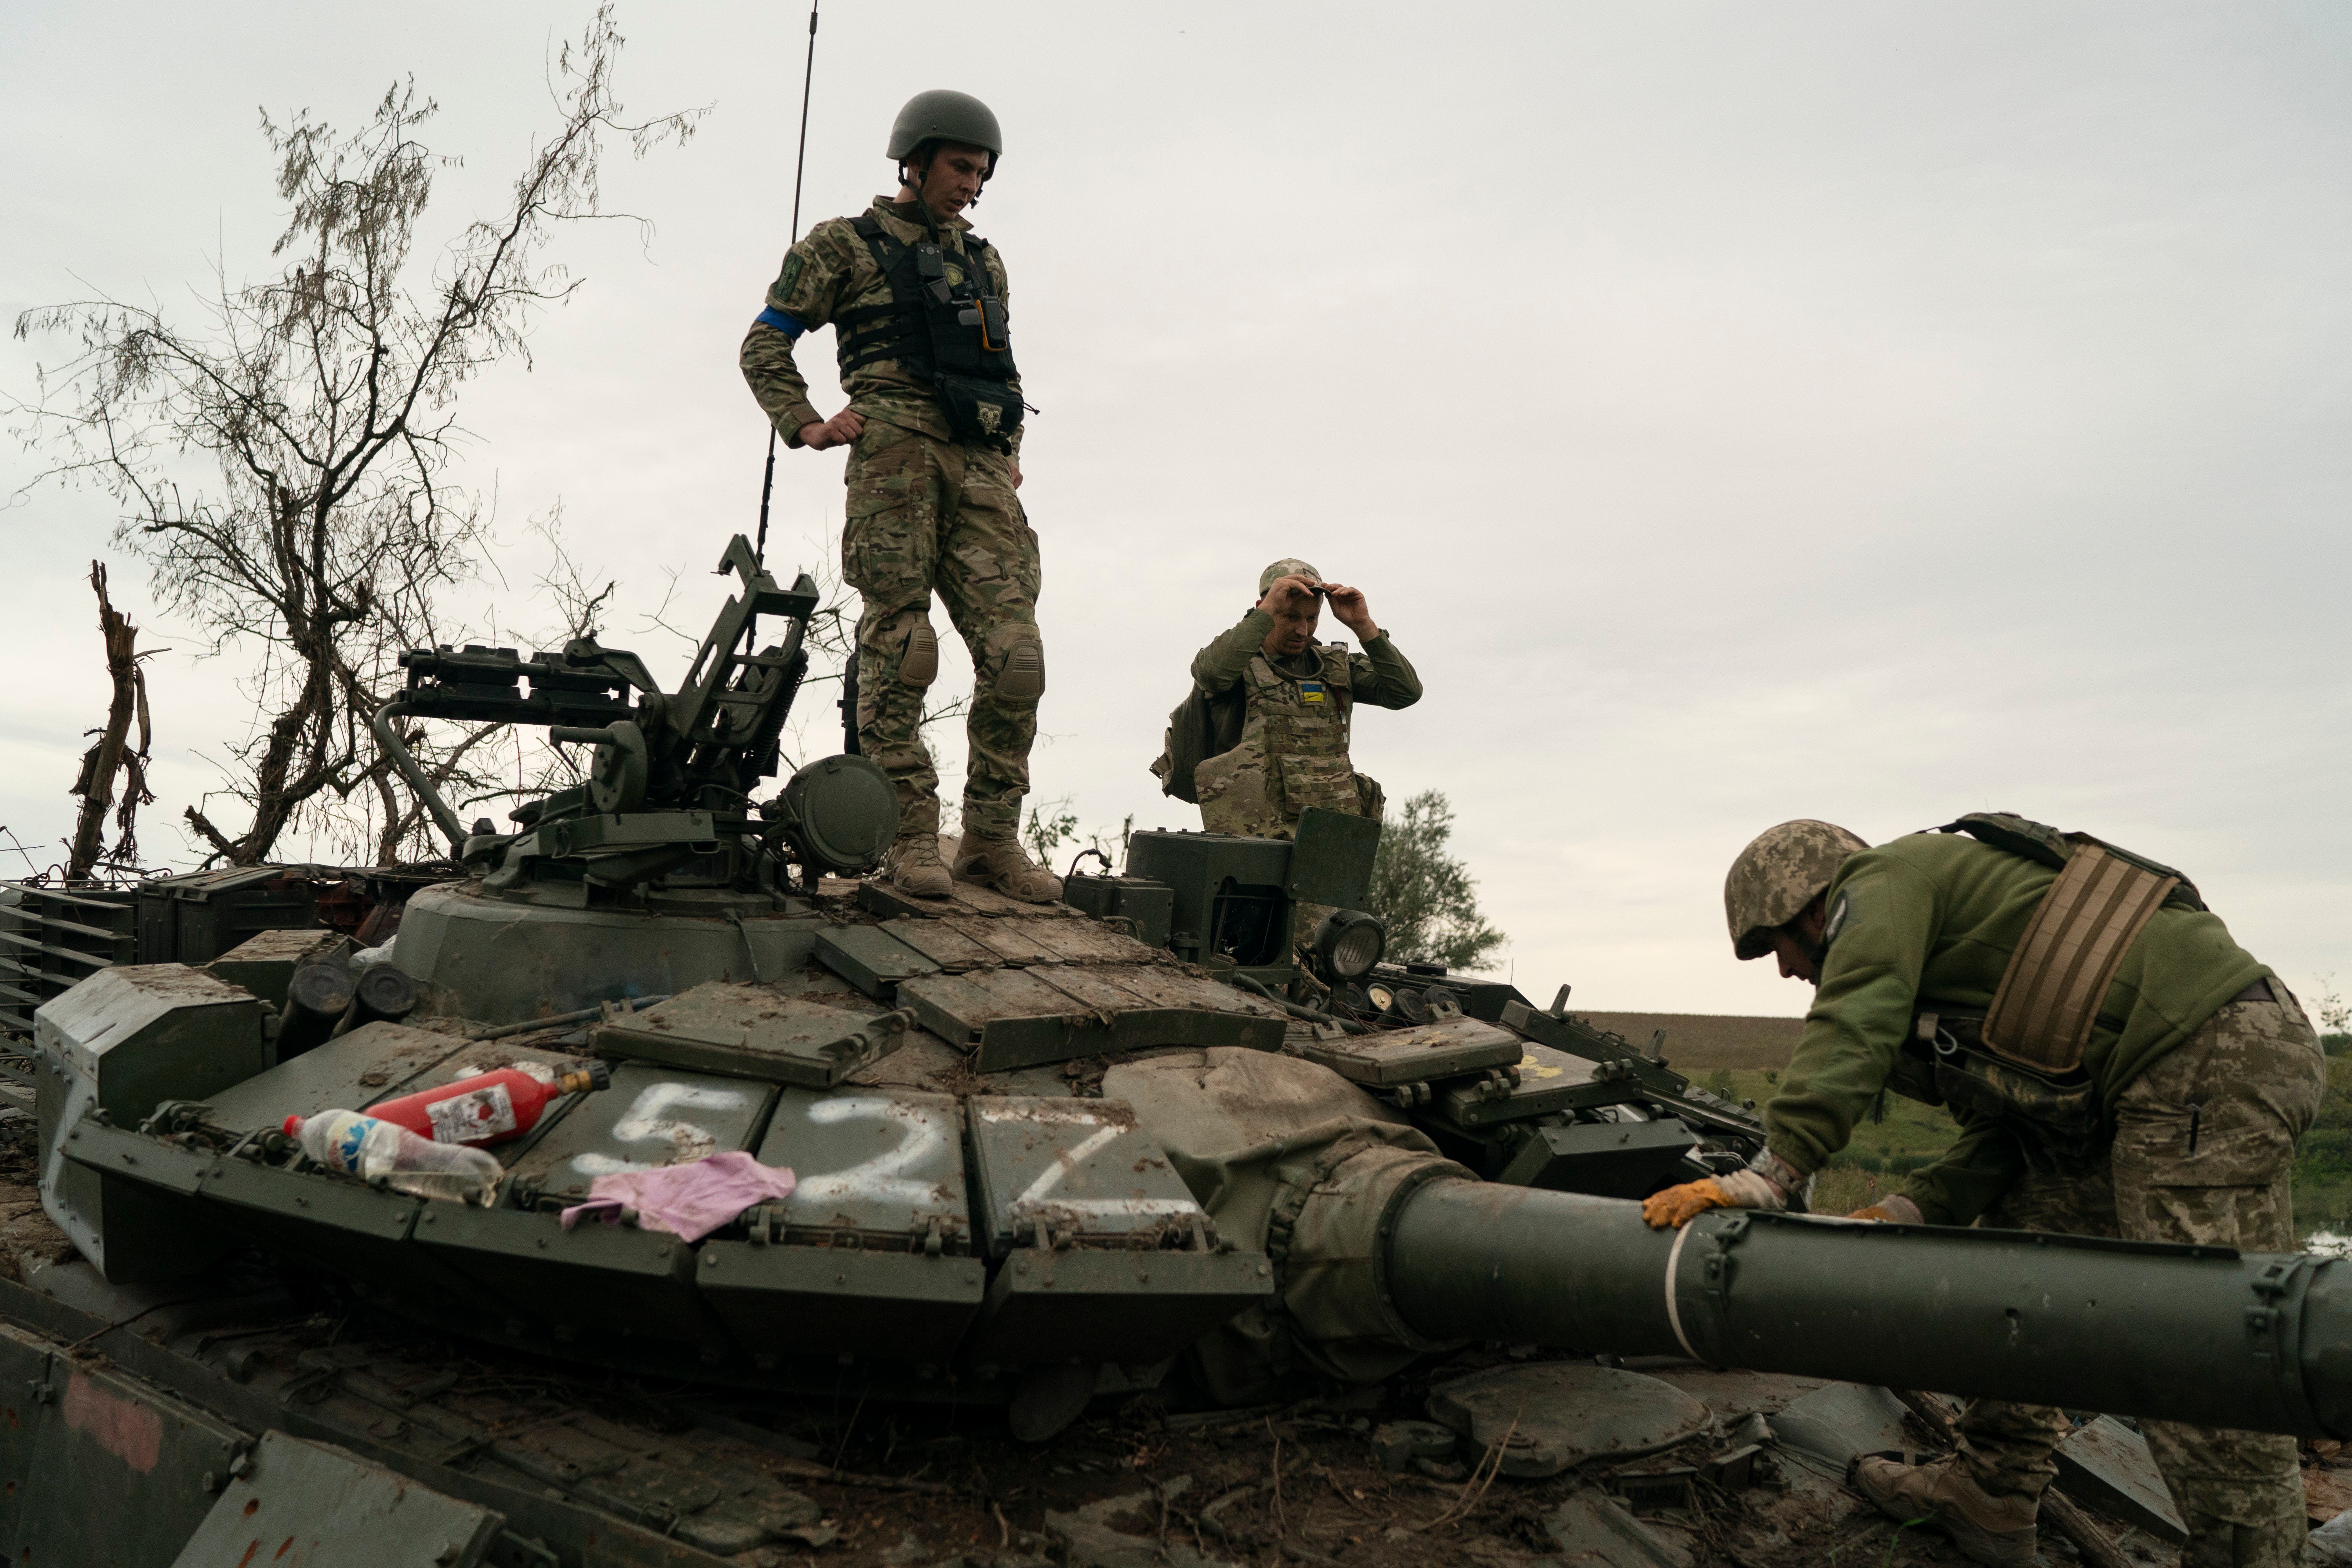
(1148, 905)
(197, 917)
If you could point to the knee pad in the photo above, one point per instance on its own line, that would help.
(1020, 679)
(918, 661)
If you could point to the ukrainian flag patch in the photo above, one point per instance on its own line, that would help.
(1310, 691)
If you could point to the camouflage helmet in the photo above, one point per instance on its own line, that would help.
(944, 115)
(1289, 566)
(1778, 875)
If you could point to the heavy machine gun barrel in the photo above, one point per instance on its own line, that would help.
(702, 748)
(667, 794)
(2200, 1334)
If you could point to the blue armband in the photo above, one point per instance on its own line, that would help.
(771, 317)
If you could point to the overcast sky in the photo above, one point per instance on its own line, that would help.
(1736, 412)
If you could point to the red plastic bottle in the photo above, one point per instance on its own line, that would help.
(487, 1108)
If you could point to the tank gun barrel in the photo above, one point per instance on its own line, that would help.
(2200, 1334)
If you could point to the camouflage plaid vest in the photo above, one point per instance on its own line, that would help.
(1293, 751)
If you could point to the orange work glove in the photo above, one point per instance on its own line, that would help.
(1677, 1206)
(1749, 1189)
(1893, 1210)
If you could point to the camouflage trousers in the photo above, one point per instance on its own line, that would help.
(2204, 1141)
(930, 516)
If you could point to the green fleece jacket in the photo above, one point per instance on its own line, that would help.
(1931, 921)
(1380, 674)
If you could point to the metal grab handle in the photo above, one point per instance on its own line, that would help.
(451, 828)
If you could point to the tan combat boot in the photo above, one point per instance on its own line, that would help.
(916, 869)
(999, 863)
(1988, 1527)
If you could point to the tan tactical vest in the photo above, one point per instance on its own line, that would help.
(2023, 1057)
(1293, 753)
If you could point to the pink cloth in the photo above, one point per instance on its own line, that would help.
(691, 1199)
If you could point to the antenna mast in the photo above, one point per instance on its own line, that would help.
(800, 167)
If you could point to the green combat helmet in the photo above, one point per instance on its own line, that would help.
(944, 115)
(1778, 875)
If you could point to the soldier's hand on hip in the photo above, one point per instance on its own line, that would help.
(1016, 473)
(838, 431)
(1349, 604)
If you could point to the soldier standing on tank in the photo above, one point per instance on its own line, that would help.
(1297, 699)
(2119, 1066)
(917, 302)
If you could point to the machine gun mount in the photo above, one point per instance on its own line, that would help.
(665, 806)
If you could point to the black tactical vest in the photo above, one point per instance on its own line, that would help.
(950, 332)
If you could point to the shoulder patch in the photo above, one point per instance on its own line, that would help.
(1836, 922)
(792, 272)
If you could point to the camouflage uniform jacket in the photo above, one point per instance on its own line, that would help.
(830, 270)
(1380, 674)
(1295, 726)
(1929, 921)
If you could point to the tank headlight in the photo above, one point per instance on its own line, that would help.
(1348, 942)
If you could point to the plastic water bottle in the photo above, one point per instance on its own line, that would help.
(365, 1147)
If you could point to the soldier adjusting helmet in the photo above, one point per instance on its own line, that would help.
(1778, 875)
(1289, 566)
(944, 115)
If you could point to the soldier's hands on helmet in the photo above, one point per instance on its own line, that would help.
(1288, 595)
(838, 431)
(1348, 604)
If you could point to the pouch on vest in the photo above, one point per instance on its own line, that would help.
(2048, 1000)
(2063, 1112)
(1324, 782)
(949, 333)
(1199, 728)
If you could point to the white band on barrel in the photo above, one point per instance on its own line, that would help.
(1674, 1312)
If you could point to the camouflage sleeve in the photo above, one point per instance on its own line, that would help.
(1216, 666)
(1002, 280)
(816, 275)
(1383, 676)
(1882, 918)
(1971, 1177)
(776, 382)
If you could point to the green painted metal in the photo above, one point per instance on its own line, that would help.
(1452, 1049)
(300, 1503)
(98, 1467)
(2198, 1334)
(871, 959)
(743, 1031)
(1331, 859)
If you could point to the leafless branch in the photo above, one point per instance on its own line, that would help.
(325, 402)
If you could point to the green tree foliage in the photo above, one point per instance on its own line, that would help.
(1426, 896)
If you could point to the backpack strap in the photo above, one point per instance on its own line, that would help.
(2049, 996)
(2048, 999)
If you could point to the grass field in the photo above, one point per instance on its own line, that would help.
(1913, 1135)
(1698, 1043)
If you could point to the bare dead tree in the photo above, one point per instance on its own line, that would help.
(325, 401)
(109, 755)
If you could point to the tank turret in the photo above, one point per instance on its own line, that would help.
(1037, 1152)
